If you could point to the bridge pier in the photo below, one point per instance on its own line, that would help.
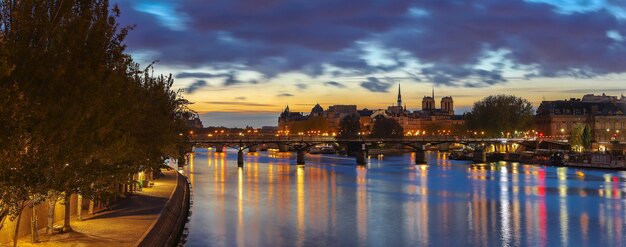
(219, 148)
(480, 156)
(361, 156)
(240, 158)
(252, 149)
(420, 156)
(300, 157)
(283, 147)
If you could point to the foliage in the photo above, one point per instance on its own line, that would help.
(576, 137)
(79, 115)
(498, 115)
(387, 128)
(349, 127)
(586, 138)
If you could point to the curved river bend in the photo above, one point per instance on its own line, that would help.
(331, 202)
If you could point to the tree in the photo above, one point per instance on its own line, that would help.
(499, 115)
(349, 127)
(79, 115)
(586, 138)
(387, 128)
(575, 138)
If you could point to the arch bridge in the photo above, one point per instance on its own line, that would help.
(302, 143)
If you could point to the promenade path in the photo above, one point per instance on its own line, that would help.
(123, 225)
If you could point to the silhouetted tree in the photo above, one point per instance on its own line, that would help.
(81, 116)
(387, 128)
(349, 127)
(497, 115)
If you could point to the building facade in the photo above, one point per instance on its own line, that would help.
(603, 114)
(427, 121)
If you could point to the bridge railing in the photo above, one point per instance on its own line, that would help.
(249, 139)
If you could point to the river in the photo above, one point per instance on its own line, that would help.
(392, 202)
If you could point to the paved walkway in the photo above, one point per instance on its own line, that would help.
(124, 225)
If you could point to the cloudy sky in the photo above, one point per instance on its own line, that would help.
(241, 62)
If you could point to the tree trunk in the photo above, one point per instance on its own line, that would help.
(34, 228)
(51, 205)
(17, 228)
(66, 221)
(79, 202)
(91, 207)
(3, 217)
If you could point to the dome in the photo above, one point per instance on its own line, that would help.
(317, 110)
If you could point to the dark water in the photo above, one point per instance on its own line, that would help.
(391, 202)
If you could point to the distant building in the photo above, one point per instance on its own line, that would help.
(429, 120)
(268, 130)
(605, 116)
(365, 119)
(317, 111)
(287, 117)
(337, 112)
(429, 109)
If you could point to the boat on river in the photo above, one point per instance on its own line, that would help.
(322, 150)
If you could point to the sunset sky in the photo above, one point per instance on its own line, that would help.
(241, 62)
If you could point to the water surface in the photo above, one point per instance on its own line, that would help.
(391, 202)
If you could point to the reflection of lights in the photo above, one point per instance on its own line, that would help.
(300, 202)
(240, 240)
(561, 173)
(423, 167)
(580, 174)
(562, 190)
(361, 203)
(505, 213)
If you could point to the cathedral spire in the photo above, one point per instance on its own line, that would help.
(399, 96)
(433, 90)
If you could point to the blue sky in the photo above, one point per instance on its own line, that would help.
(243, 61)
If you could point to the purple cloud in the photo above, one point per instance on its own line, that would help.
(450, 39)
(334, 84)
(373, 84)
(196, 85)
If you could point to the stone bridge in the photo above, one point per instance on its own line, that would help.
(302, 143)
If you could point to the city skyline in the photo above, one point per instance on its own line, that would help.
(313, 123)
(238, 60)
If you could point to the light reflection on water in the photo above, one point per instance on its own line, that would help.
(332, 202)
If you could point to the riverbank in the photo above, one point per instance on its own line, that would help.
(124, 225)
